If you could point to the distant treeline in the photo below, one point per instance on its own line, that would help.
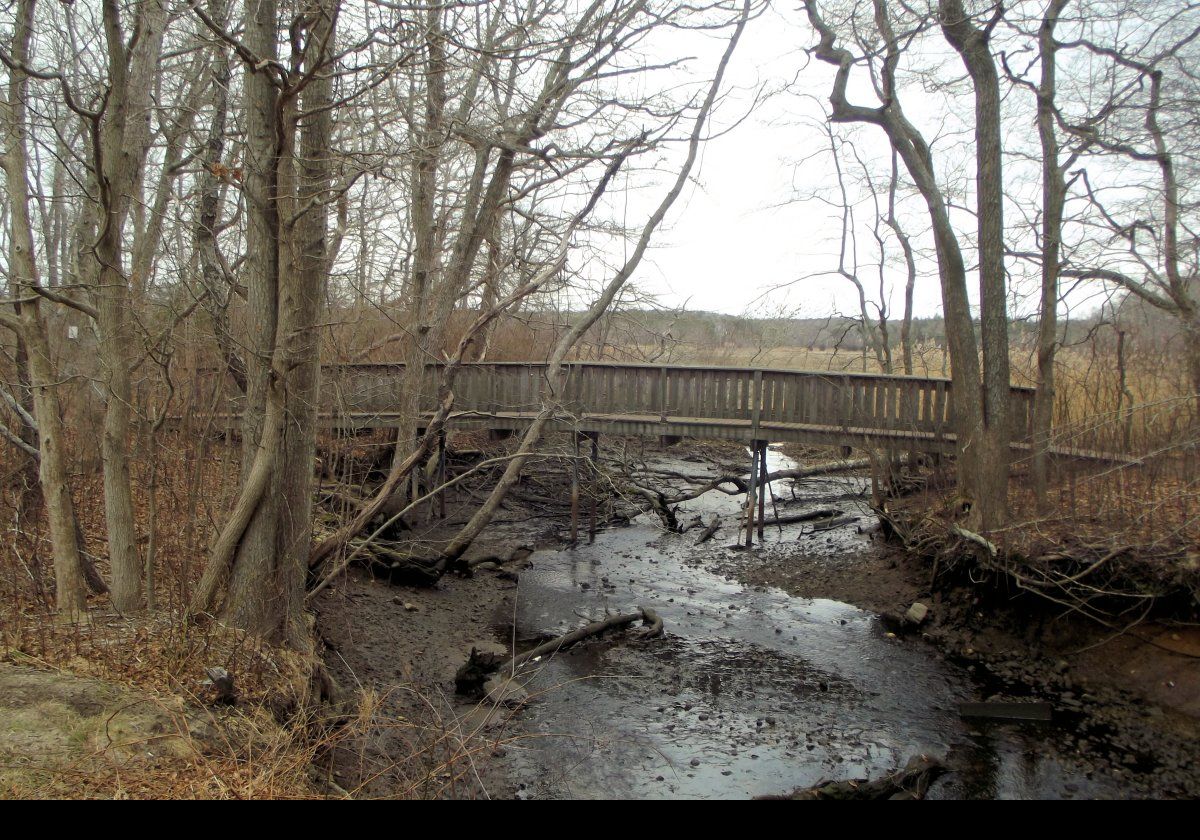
(655, 334)
(650, 327)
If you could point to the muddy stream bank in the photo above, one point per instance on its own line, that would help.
(752, 691)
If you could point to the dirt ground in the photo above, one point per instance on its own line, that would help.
(404, 644)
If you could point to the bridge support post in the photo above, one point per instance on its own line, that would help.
(753, 493)
(593, 457)
(575, 491)
(762, 486)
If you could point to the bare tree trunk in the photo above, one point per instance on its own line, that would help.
(425, 328)
(302, 301)
(264, 546)
(990, 505)
(1054, 192)
(120, 143)
(910, 265)
(52, 472)
(977, 436)
(491, 279)
(252, 545)
(214, 276)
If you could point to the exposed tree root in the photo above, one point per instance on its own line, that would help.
(659, 503)
(1103, 582)
(397, 565)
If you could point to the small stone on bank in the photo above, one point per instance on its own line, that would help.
(917, 613)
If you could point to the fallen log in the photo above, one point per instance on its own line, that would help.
(807, 516)
(741, 483)
(911, 782)
(479, 666)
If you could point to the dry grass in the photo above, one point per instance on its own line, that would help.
(277, 742)
(263, 747)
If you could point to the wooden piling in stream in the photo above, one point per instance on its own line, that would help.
(592, 459)
(762, 486)
(751, 493)
(575, 492)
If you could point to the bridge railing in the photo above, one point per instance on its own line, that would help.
(761, 397)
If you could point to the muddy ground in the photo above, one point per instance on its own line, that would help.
(777, 671)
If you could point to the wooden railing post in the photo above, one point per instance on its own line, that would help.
(846, 402)
(662, 393)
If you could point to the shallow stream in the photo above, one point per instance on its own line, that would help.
(751, 691)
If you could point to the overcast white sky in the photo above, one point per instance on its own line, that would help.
(734, 243)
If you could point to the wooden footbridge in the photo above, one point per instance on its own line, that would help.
(751, 405)
(734, 403)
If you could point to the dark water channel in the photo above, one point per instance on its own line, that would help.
(752, 691)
